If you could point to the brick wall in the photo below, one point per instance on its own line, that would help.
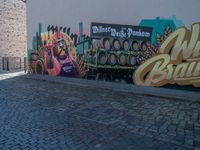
(13, 32)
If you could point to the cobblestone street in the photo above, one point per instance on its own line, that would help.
(41, 115)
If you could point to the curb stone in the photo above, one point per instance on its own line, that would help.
(129, 88)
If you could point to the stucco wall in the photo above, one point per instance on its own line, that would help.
(13, 31)
(71, 12)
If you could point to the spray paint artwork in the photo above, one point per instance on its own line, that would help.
(56, 56)
(101, 56)
(113, 57)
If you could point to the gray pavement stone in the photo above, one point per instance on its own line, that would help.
(39, 114)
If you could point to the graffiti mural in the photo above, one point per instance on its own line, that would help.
(66, 30)
(112, 52)
(152, 49)
(74, 36)
(56, 56)
(116, 52)
(178, 61)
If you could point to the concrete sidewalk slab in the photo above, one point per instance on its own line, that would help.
(7, 75)
(183, 95)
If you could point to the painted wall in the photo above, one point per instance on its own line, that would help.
(70, 12)
(56, 56)
(118, 52)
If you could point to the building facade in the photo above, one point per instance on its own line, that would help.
(13, 34)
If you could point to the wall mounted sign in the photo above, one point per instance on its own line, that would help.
(99, 30)
(178, 61)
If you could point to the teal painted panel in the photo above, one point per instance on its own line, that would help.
(80, 49)
(29, 51)
(159, 25)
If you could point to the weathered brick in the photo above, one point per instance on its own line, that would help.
(13, 32)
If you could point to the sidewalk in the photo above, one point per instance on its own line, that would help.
(8, 74)
(182, 95)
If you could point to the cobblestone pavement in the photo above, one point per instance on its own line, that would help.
(41, 115)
